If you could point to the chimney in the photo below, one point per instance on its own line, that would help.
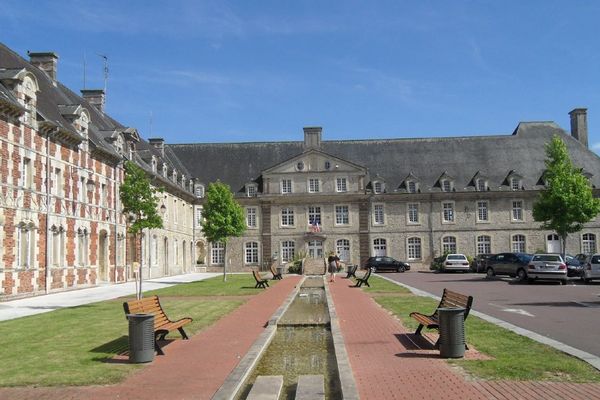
(312, 137)
(579, 128)
(47, 62)
(158, 143)
(95, 97)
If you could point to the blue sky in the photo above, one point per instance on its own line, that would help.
(212, 71)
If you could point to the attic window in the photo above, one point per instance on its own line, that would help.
(446, 185)
(378, 187)
(515, 183)
(164, 170)
(411, 186)
(251, 190)
(481, 185)
(83, 124)
(199, 191)
(153, 164)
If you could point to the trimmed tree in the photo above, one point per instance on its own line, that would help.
(567, 202)
(223, 218)
(140, 205)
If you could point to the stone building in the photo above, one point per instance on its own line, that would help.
(411, 199)
(61, 165)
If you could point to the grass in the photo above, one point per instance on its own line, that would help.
(515, 357)
(74, 346)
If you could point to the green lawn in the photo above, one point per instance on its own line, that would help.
(72, 346)
(514, 357)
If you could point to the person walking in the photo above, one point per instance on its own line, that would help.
(333, 267)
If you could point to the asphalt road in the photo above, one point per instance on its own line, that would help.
(569, 314)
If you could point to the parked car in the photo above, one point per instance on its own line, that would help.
(591, 269)
(574, 266)
(511, 264)
(455, 262)
(383, 263)
(547, 267)
(480, 262)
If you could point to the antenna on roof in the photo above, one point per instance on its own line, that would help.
(105, 57)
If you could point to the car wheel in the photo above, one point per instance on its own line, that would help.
(489, 273)
(401, 269)
(586, 280)
(530, 280)
(522, 274)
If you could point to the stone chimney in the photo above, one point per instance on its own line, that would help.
(158, 143)
(312, 137)
(579, 128)
(95, 97)
(47, 62)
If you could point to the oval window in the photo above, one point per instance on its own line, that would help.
(300, 165)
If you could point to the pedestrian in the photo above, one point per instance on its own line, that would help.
(333, 264)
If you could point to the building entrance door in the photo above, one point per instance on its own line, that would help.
(315, 249)
(553, 243)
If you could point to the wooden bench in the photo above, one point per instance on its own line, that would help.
(351, 271)
(449, 299)
(364, 279)
(276, 275)
(162, 324)
(260, 281)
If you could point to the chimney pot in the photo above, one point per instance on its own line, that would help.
(95, 97)
(579, 128)
(312, 137)
(46, 61)
(158, 143)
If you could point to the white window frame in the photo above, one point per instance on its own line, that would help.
(515, 184)
(448, 214)
(378, 187)
(288, 250)
(251, 217)
(26, 173)
(217, 253)
(518, 246)
(251, 190)
(412, 186)
(449, 244)
(517, 213)
(57, 182)
(251, 253)
(411, 208)
(481, 185)
(286, 186)
(483, 244)
(342, 218)
(379, 244)
(199, 216)
(483, 210)
(341, 184)
(414, 249)
(287, 217)
(588, 243)
(378, 214)
(314, 185)
(199, 191)
(342, 249)
(314, 215)
(446, 185)
(153, 251)
(26, 245)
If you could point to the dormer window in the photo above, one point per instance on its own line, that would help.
(515, 183)
(199, 191)
(481, 185)
(164, 170)
(412, 186)
(174, 176)
(84, 124)
(251, 190)
(154, 164)
(28, 90)
(378, 187)
(446, 185)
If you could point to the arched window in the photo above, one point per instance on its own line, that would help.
(342, 249)
(26, 244)
(449, 244)
(82, 247)
(518, 244)
(217, 253)
(588, 243)
(412, 186)
(379, 247)
(57, 245)
(413, 248)
(176, 251)
(251, 253)
(484, 244)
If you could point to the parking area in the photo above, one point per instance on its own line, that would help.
(567, 313)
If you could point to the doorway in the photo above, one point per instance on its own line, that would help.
(553, 243)
(315, 249)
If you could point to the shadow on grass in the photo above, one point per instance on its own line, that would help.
(118, 350)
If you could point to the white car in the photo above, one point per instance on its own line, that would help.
(591, 269)
(455, 262)
(547, 267)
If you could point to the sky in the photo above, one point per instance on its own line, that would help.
(238, 71)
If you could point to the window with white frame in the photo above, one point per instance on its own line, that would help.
(518, 244)
(412, 186)
(251, 217)
(481, 185)
(217, 253)
(288, 249)
(378, 187)
(82, 247)
(378, 214)
(175, 213)
(57, 246)
(449, 244)
(286, 186)
(482, 211)
(342, 249)
(287, 216)
(515, 183)
(413, 213)
(342, 215)
(176, 251)
(314, 215)
(82, 190)
(251, 190)
(26, 245)
(154, 251)
(341, 184)
(251, 253)
(120, 249)
(517, 210)
(379, 247)
(414, 248)
(484, 244)
(26, 173)
(588, 243)
(446, 185)
(448, 211)
(198, 216)
(57, 182)
(199, 191)
(314, 185)
(103, 195)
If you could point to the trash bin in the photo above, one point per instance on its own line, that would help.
(452, 332)
(141, 337)
(280, 270)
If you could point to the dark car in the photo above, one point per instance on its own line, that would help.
(480, 262)
(574, 266)
(511, 264)
(383, 263)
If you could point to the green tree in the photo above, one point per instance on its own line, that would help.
(223, 217)
(567, 202)
(140, 204)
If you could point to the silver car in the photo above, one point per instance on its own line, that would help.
(547, 267)
(455, 262)
(591, 268)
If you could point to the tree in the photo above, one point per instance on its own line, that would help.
(140, 204)
(223, 217)
(567, 202)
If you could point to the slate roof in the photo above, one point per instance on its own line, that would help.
(493, 157)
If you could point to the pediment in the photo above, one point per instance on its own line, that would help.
(315, 161)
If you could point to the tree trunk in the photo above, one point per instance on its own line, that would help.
(564, 247)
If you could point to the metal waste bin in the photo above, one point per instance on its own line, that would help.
(141, 337)
(280, 270)
(452, 332)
